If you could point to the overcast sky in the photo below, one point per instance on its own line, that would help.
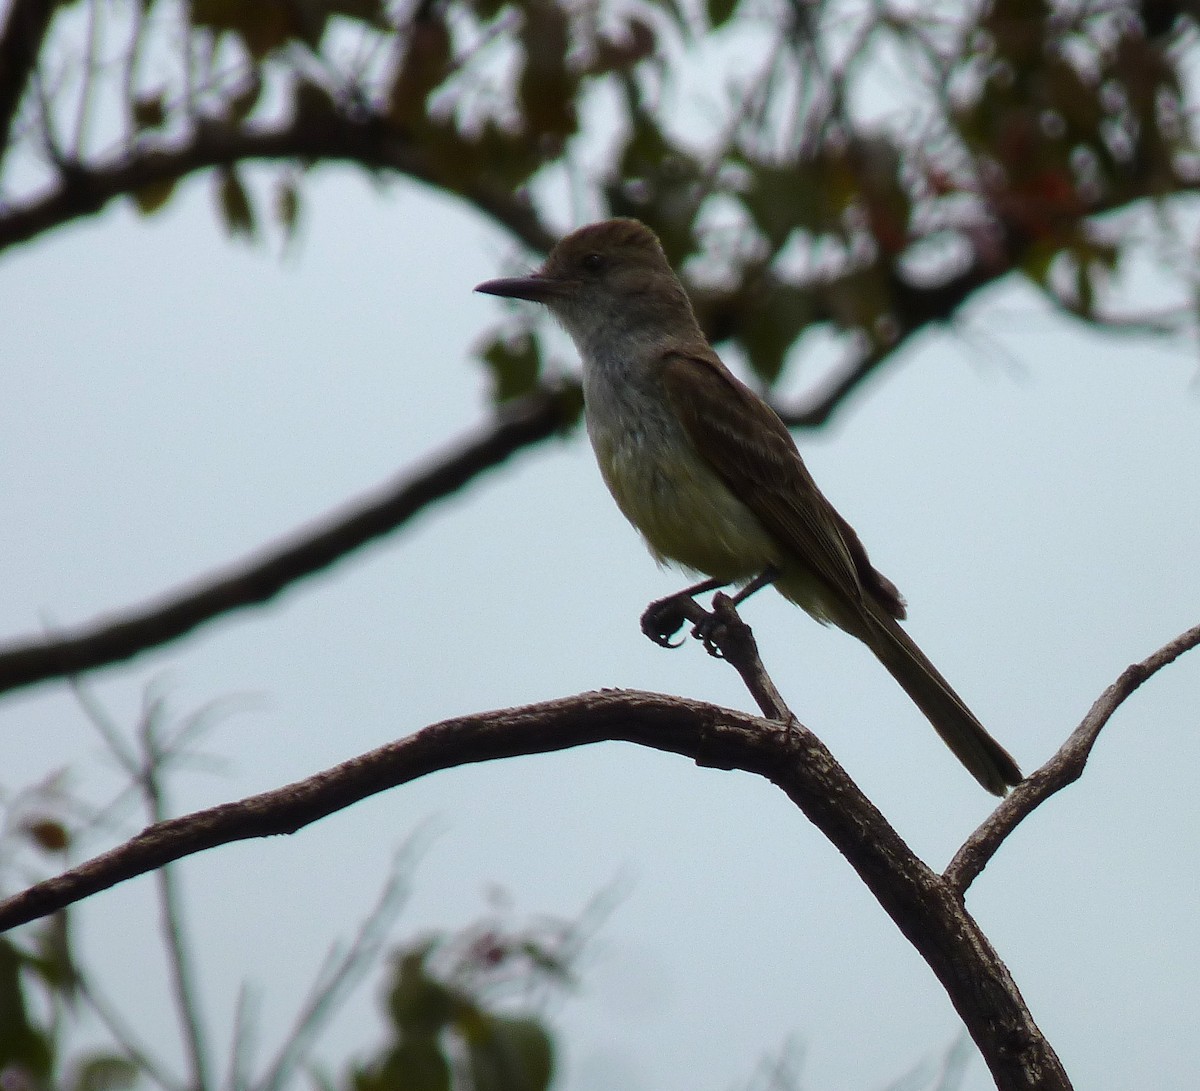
(175, 401)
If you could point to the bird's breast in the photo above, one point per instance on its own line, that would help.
(685, 512)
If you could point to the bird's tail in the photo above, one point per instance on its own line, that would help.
(985, 759)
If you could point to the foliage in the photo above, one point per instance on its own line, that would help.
(463, 1005)
(443, 1032)
(742, 132)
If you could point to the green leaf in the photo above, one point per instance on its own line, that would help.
(287, 206)
(509, 1054)
(657, 181)
(515, 360)
(235, 204)
(22, 1045)
(774, 315)
(418, 1004)
(417, 1064)
(151, 197)
(720, 12)
(104, 1072)
(55, 962)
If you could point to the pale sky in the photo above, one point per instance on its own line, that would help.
(175, 401)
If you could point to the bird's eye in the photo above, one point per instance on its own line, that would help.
(592, 263)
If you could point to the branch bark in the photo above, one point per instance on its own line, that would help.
(1064, 768)
(521, 424)
(921, 903)
(20, 43)
(926, 907)
(310, 137)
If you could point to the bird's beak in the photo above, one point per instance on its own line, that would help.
(536, 288)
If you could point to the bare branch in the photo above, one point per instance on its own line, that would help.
(1064, 768)
(516, 426)
(170, 907)
(925, 908)
(20, 43)
(123, 1035)
(340, 973)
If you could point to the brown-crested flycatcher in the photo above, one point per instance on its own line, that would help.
(710, 475)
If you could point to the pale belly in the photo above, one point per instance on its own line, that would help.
(686, 514)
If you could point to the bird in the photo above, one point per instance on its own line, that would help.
(709, 474)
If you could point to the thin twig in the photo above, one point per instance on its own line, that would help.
(87, 87)
(1064, 768)
(341, 972)
(123, 1035)
(242, 1047)
(179, 960)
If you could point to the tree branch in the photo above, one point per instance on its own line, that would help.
(516, 426)
(1064, 768)
(20, 43)
(325, 136)
(925, 908)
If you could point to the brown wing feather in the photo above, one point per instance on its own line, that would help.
(750, 448)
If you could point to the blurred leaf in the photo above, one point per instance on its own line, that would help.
(242, 104)
(236, 210)
(54, 961)
(1038, 259)
(546, 87)
(149, 112)
(417, 1064)
(570, 405)
(418, 1004)
(21, 1044)
(150, 198)
(372, 12)
(508, 1054)
(48, 834)
(515, 361)
(811, 194)
(878, 167)
(104, 1072)
(425, 64)
(458, 162)
(657, 182)
(720, 12)
(859, 300)
(618, 53)
(1018, 28)
(312, 103)
(287, 206)
(773, 317)
(263, 25)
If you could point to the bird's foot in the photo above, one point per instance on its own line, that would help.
(663, 618)
(711, 630)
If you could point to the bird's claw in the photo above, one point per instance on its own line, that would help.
(709, 633)
(662, 620)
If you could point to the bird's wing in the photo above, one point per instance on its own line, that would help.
(751, 450)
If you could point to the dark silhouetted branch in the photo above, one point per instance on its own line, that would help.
(1064, 768)
(327, 137)
(927, 911)
(20, 43)
(517, 426)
